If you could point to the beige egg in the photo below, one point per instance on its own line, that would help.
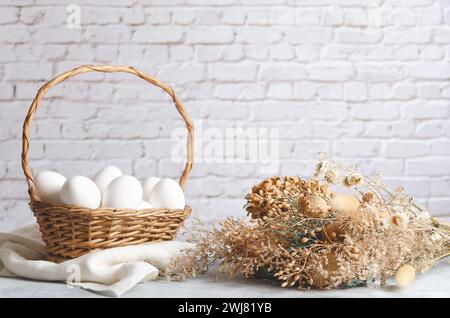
(48, 186)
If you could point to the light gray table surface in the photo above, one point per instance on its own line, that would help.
(435, 283)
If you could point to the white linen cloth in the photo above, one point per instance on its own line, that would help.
(109, 272)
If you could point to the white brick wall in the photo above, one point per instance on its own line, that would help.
(367, 81)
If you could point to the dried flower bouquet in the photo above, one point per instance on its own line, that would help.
(311, 234)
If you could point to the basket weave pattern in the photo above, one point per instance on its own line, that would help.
(70, 231)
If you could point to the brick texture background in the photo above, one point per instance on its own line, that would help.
(367, 81)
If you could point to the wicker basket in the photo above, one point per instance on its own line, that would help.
(71, 231)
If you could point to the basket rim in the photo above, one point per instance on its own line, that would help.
(109, 212)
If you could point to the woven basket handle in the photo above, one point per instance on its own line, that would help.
(106, 69)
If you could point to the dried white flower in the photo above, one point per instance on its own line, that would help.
(331, 176)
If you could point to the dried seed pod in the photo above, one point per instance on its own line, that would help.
(331, 176)
(345, 203)
(367, 197)
(352, 252)
(267, 185)
(332, 231)
(405, 275)
(352, 180)
(254, 248)
(315, 206)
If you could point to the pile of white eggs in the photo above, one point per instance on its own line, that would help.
(109, 188)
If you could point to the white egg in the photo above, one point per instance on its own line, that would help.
(48, 185)
(81, 191)
(124, 192)
(148, 185)
(103, 177)
(167, 193)
(144, 205)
